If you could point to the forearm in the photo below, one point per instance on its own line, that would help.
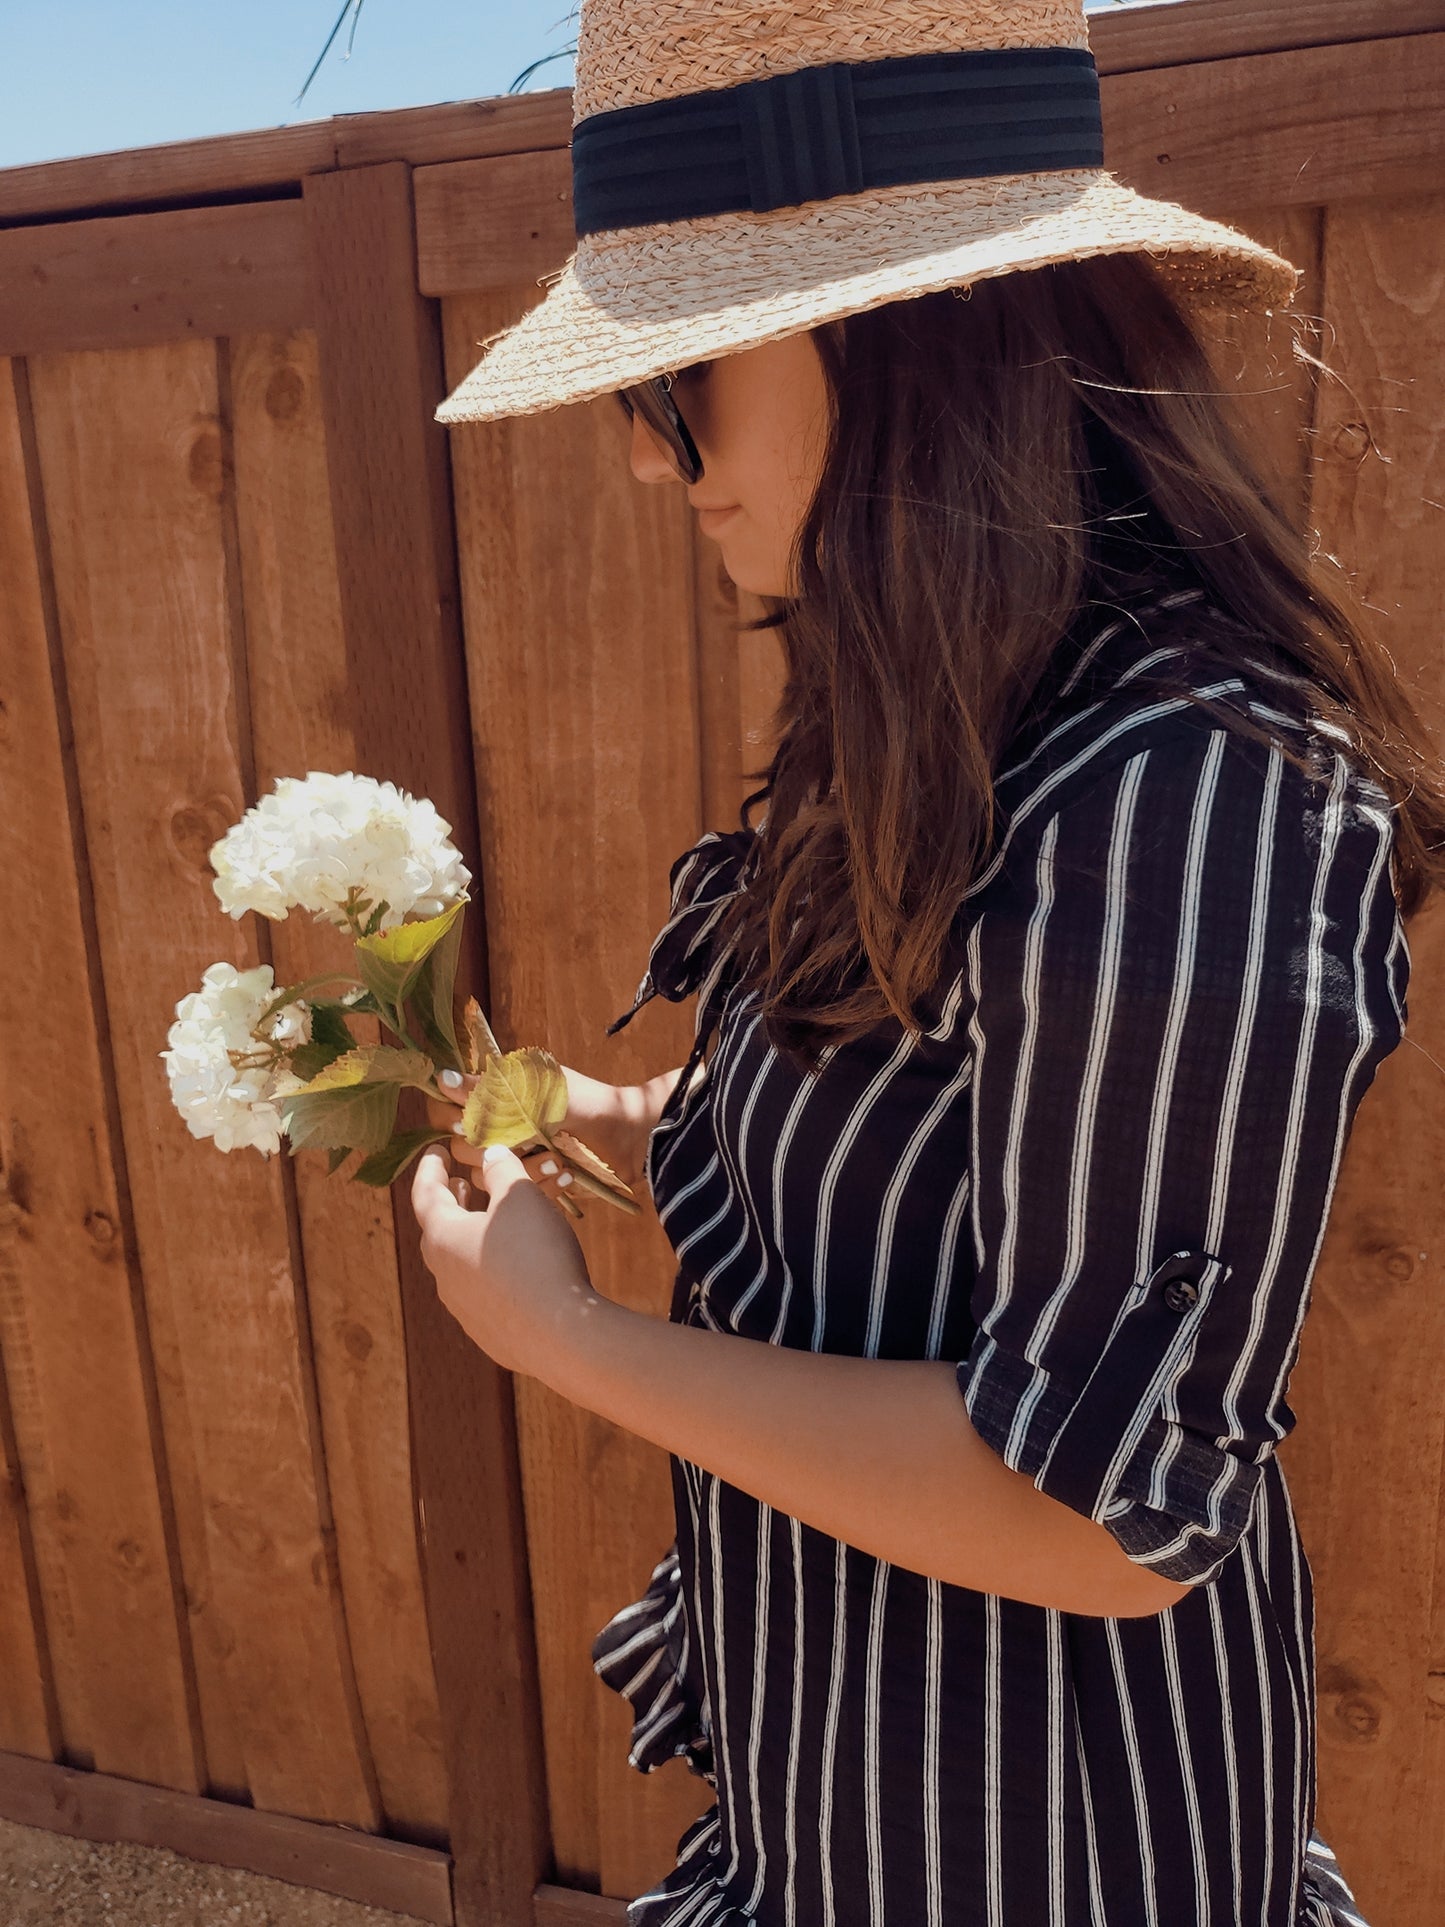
(877, 1452)
(649, 1097)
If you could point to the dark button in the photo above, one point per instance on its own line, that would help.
(1180, 1294)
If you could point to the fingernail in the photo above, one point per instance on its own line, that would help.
(566, 1178)
(548, 1167)
(452, 1080)
(493, 1152)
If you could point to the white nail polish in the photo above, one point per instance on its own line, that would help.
(548, 1167)
(566, 1178)
(452, 1079)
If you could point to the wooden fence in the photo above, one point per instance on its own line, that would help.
(291, 1576)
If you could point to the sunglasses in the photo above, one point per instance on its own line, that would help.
(653, 401)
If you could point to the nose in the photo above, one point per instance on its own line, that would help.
(647, 457)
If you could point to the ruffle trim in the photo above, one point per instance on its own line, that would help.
(642, 1654)
(703, 881)
(691, 1889)
(1325, 1898)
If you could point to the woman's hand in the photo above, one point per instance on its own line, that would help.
(511, 1274)
(614, 1120)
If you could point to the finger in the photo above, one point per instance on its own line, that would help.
(463, 1152)
(500, 1171)
(431, 1192)
(548, 1170)
(441, 1113)
(472, 1154)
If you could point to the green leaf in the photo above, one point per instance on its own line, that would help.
(390, 961)
(358, 1116)
(431, 995)
(330, 1038)
(372, 1064)
(383, 1167)
(519, 1096)
(339, 1154)
(328, 1022)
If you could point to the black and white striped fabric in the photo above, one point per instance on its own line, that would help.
(1097, 1179)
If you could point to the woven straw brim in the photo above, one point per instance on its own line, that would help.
(635, 302)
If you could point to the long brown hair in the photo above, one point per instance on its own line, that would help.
(995, 465)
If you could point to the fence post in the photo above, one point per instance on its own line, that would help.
(382, 376)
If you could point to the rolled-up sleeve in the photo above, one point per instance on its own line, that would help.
(1183, 978)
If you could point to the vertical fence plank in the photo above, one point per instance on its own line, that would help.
(381, 378)
(29, 1715)
(1273, 389)
(577, 588)
(132, 461)
(301, 702)
(1372, 1423)
(77, 1360)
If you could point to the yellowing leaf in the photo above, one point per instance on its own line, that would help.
(593, 1175)
(583, 1154)
(481, 1044)
(372, 1064)
(389, 962)
(518, 1096)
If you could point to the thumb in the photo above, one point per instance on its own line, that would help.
(500, 1169)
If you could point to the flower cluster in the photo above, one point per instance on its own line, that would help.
(339, 846)
(227, 1068)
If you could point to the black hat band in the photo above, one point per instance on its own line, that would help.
(837, 129)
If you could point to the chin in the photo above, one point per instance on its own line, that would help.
(755, 581)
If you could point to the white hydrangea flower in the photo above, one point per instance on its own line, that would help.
(234, 1104)
(314, 841)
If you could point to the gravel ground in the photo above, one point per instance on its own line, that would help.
(53, 1880)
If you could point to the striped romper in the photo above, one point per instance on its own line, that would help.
(1097, 1178)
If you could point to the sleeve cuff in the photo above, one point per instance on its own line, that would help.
(1115, 1449)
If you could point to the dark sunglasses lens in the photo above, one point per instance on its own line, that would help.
(662, 418)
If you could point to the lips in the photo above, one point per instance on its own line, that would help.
(710, 519)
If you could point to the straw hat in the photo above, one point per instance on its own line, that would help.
(746, 169)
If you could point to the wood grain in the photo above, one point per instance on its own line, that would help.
(131, 460)
(1367, 1459)
(130, 280)
(303, 705)
(108, 1639)
(1128, 38)
(1285, 129)
(29, 1716)
(565, 1907)
(410, 1880)
(492, 223)
(381, 377)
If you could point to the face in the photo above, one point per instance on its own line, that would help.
(759, 418)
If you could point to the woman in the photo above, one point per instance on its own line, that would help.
(1038, 1004)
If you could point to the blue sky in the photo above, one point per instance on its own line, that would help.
(90, 78)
